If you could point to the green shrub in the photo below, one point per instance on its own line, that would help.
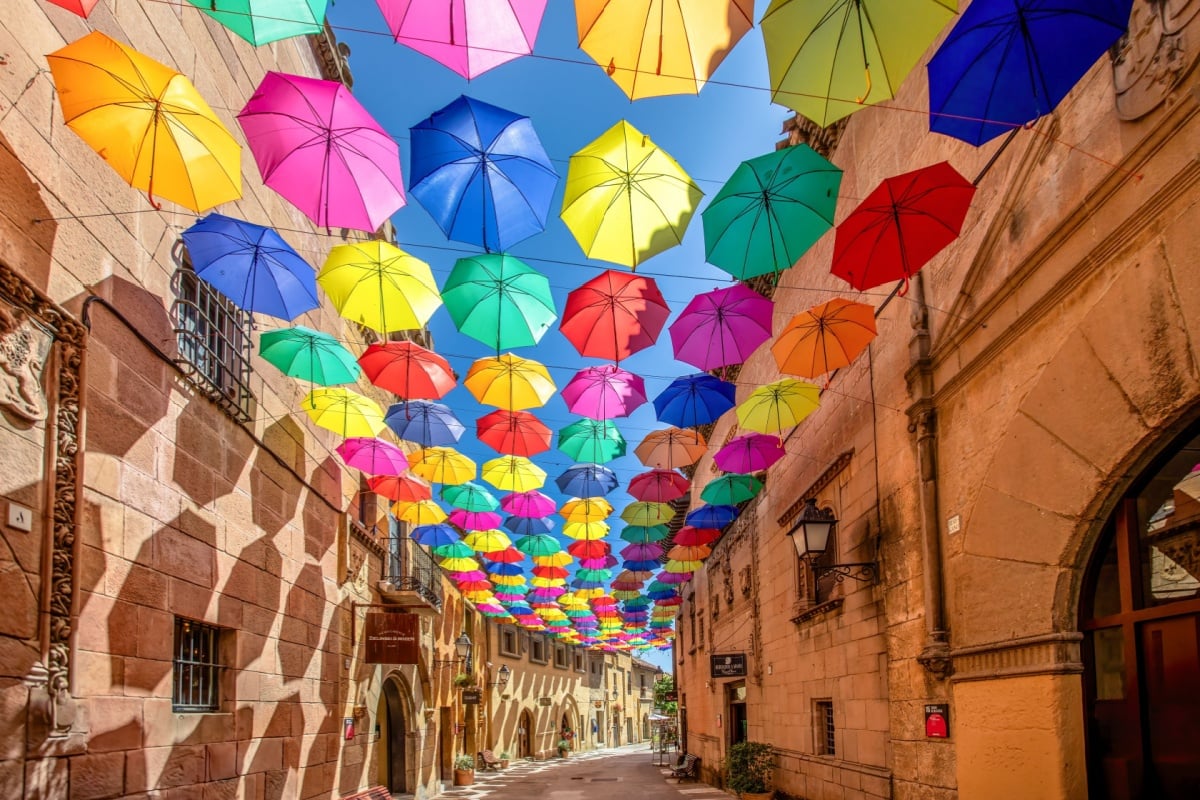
(748, 767)
(464, 762)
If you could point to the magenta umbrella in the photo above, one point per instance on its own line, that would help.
(322, 151)
(468, 37)
(373, 456)
(722, 327)
(532, 504)
(600, 562)
(475, 520)
(604, 392)
(749, 453)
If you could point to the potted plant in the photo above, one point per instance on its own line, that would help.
(504, 757)
(563, 747)
(463, 680)
(748, 768)
(464, 770)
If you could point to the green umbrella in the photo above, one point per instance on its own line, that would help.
(593, 574)
(542, 544)
(455, 550)
(770, 211)
(591, 441)
(263, 21)
(641, 534)
(729, 490)
(310, 355)
(830, 58)
(499, 300)
(470, 496)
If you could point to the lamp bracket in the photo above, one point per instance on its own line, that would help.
(862, 571)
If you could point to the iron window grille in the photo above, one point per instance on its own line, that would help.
(825, 730)
(197, 667)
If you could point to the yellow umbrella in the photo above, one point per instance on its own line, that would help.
(536, 581)
(559, 559)
(625, 199)
(681, 566)
(508, 580)
(509, 382)
(443, 465)
(378, 285)
(586, 531)
(779, 405)
(674, 51)
(586, 509)
(572, 600)
(344, 412)
(590, 593)
(648, 514)
(514, 474)
(458, 564)
(488, 541)
(419, 512)
(148, 122)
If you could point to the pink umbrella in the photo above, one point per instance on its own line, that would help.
(373, 456)
(674, 577)
(319, 148)
(497, 30)
(532, 505)
(658, 486)
(603, 562)
(475, 520)
(749, 453)
(604, 392)
(722, 327)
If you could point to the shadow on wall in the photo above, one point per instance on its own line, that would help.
(25, 245)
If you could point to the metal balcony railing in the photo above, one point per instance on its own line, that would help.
(411, 569)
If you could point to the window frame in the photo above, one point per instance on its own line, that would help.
(507, 634)
(824, 728)
(538, 644)
(212, 664)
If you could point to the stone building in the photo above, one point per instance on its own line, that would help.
(1010, 464)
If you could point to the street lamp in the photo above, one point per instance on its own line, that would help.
(462, 647)
(810, 536)
(503, 676)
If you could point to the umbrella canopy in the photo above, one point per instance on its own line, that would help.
(824, 338)
(587, 480)
(251, 265)
(603, 392)
(648, 514)
(711, 516)
(442, 465)
(80, 7)
(374, 457)
(830, 58)
(499, 300)
(779, 405)
(148, 121)
(614, 315)
(1007, 62)
(901, 225)
(435, 535)
(422, 512)
(528, 526)
(482, 174)
(515, 433)
(509, 382)
(749, 453)
(470, 496)
(424, 422)
(261, 22)
(378, 285)
(486, 541)
(513, 474)
(593, 441)
(344, 412)
(476, 520)
(323, 152)
(309, 355)
(467, 37)
(659, 486)
(625, 199)
(722, 327)
(586, 531)
(538, 545)
(729, 490)
(586, 509)
(528, 504)
(671, 448)
(692, 400)
(687, 535)
(509, 555)
(407, 370)
(770, 211)
(400, 488)
(652, 48)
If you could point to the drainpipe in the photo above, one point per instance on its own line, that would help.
(922, 415)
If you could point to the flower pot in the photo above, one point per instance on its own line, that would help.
(464, 777)
(504, 763)
(757, 795)
(562, 752)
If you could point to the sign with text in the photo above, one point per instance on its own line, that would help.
(391, 638)
(470, 697)
(937, 721)
(728, 665)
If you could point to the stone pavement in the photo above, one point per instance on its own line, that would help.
(629, 771)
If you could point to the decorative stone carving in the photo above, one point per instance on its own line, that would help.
(1155, 54)
(23, 351)
(746, 578)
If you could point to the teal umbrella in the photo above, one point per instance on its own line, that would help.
(264, 21)
(729, 490)
(770, 211)
(470, 496)
(542, 544)
(592, 441)
(499, 300)
(454, 550)
(640, 534)
(593, 574)
(309, 355)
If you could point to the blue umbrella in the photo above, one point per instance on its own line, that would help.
(528, 526)
(252, 266)
(505, 569)
(482, 174)
(1008, 62)
(658, 590)
(424, 422)
(711, 516)
(587, 480)
(438, 535)
(638, 566)
(693, 400)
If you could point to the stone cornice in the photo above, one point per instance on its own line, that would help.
(1047, 654)
(823, 480)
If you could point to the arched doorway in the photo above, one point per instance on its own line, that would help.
(396, 737)
(566, 730)
(525, 736)
(1140, 615)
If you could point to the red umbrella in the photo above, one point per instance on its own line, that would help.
(400, 488)
(509, 555)
(614, 315)
(659, 486)
(596, 548)
(901, 225)
(687, 535)
(80, 7)
(551, 572)
(407, 370)
(514, 433)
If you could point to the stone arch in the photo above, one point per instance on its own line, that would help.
(410, 704)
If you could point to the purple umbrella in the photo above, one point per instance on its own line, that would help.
(674, 577)
(319, 148)
(749, 453)
(531, 504)
(604, 392)
(722, 327)
(642, 552)
(373, 456)
(475, 520)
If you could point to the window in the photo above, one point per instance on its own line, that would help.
(823, 735)
(213, 339)
(537, 649)
(578, 656)
(560, 657)
(197, 667)
(629, 682)
(508, 642)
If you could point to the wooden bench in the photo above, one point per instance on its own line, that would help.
(373, 793)
(489, 759)
(688, 767)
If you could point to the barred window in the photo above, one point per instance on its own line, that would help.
(197, 667)
(824, 733)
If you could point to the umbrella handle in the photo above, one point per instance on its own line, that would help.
(861, 100)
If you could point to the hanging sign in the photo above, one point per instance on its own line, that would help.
(391, 638)
(470, 697)
(729, 665)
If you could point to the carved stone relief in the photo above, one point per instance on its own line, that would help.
(24, 347)
(1155, 54)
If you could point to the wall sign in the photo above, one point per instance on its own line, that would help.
(391, 638)
(728, 665)
(937, 721)
(470, 697)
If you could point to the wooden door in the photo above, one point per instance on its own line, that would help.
(397, 739)
(1171, 701)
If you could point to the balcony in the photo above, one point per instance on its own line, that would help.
(412, 579)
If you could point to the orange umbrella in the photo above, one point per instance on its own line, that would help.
(671, 448)
(824, 338)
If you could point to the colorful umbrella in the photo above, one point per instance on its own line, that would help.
(671, 448)
(378, 285)
(1007, 62)
(659, 486)
(148, 122)
(749, 453)
(901, 225)
(586, 509)
(455, 549)
(652, 48)
(646, 515)
(344, 412)
(309, 355)
(779, 405)
(261, 22)
(374, 457)
(468, 37)
(435, 535)
(642, 551)
(528, 526)
(711, 516)
(586, 531)
(475, 520)
(482, 174)
(515, 433)
(513, 474)
(614, 315)
(486, 541)
(539, 545)
(499, 300)
(509, 555)
(400, 488)
(688, 535)
(407, 370)
(692, 400)
(830, 58)
(587, 480)
(80, 7)
(323, 152)
(509, 382)
(588, 548)
(729, 490)
(470, 496)
(824, 338)
(722, 327)
(424, 422)
(442, 465)
(528, 504)
(592, 441)
(625, 199)
(604, 392)
(421, 512)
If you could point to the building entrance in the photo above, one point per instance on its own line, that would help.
(396, 755)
